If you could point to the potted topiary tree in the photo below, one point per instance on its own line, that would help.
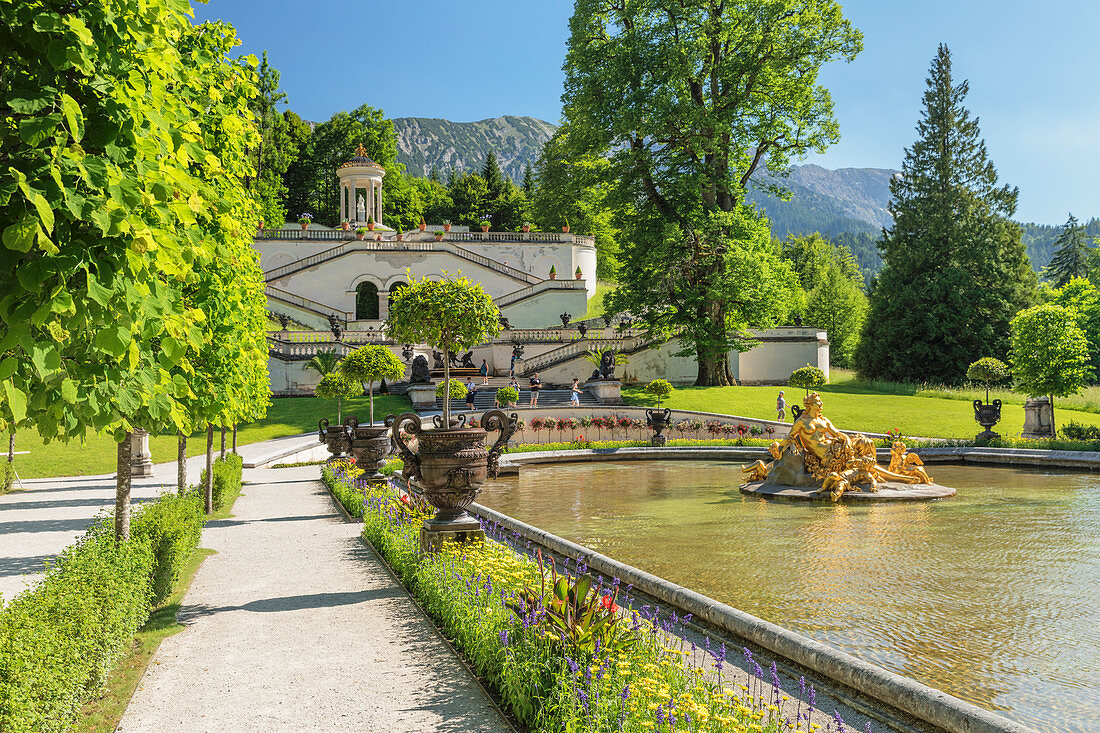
(370, 223)
(423, 224)
(485, 226)
(456, 391)
(507, 396)
(577, 274)
(438, 236)
(369, 364)
(807, 378)
(658, 419)
(335, 385)
(987, 371)
(565, 227)
(451, 462)
(553, 273)
(446, 225)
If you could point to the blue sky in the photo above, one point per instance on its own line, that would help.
(1032, 69)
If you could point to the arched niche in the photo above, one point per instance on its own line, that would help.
(366, 301)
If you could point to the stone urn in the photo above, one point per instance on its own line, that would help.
(335, 438)
(450, 464)
(987, 414)
(369, 444)
(658, 420)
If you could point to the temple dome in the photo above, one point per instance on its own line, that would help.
(361, 160)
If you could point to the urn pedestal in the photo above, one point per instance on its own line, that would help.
(335, 438)
(370, 445)
(987, 414)
(1038, 419)
(141, 460)
(448, 468)
(421, 395)
(658, 420)
(608, 391)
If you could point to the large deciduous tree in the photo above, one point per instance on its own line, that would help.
(1050, 353)
(690, 98)
(954, 270)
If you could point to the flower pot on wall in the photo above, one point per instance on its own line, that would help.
(446, 227)
(565, 228)
(577, 274)
(423, 225)
(484, 228)
(439, 236)
(400, 236)
(304, 225)
(526, 228)
(345, 226)
(359, 236)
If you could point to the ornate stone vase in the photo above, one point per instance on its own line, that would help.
(335, 438)
(369, 444)
(450, 464)
(658, 420)
(987, 414)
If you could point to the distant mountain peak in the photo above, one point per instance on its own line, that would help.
(424, 143)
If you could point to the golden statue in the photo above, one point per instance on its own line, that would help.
(831, 460)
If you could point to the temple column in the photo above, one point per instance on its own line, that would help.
(370, 200)
(383, 304)
(378, 204)
(343, 203)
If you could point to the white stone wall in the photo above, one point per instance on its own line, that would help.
(781, 351)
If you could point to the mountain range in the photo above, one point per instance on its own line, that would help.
(424, 143)
(848, 205)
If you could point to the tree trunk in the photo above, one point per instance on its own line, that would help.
(234, 438)
(446, 389)
(339, 420)
(181, 465)
(370, 387)
(1053, 432)
(713, 372)
(122, 488)
(11, 446)
(223, 443)
(208, 487)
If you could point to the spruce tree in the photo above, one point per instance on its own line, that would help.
(955, 271)
(529, 181)
(493, 177)
(1071, 254)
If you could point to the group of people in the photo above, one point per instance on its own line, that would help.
(535, 386)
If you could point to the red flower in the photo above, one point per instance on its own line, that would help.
(609, 604)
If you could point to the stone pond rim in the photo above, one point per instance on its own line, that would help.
(887, 491)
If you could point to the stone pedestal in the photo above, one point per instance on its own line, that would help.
(422, 395)
(1038, 418)
(141, 461)
(431, 539)
(608, 391)
(658, 441)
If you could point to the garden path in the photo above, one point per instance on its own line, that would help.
(295, 625)
(51, 513)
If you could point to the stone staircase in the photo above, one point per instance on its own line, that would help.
(483, 400)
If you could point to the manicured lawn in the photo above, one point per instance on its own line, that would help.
(854, 406)
(285, 416)
(595, 303)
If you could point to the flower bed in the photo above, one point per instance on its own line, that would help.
(560, 654)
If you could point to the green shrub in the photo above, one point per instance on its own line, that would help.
(172, 526)
(1077, 431)
(659, 388)
(457, 389)
(507, 396)
(227, 480)
(59, 640)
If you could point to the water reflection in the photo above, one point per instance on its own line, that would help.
(991, 595)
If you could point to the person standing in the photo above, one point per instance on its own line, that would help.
(575, 394)
(781, 407)
(536, 384)
(471, 393)
(484, 372)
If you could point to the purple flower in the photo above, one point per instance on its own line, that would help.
(504, 637)
(625, 695)
(839, 721)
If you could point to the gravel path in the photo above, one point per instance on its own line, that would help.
(295, 625)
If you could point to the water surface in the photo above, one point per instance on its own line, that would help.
(993, 595)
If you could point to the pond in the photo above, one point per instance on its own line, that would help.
(992, 596)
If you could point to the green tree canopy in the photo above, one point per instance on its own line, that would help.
(988, 371)
(704, 94)
(372, 363)
(448, 314)
(807, 378)
(1050, 354)
(954, 270)
(659, 388)
(338, 386)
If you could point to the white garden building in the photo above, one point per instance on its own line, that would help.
(319, 276)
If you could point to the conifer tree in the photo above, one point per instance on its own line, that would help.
(529, 181)
(1071, 254)
(955, 271)
(494, 179)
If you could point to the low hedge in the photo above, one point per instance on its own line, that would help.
(61, 638)
(227, 480)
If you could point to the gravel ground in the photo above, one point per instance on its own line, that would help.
(295, 625)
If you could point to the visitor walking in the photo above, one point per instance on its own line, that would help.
(512, 367)
(471, 392)
(781, 407)
(536, 384)
(484, 372)
(575, 394)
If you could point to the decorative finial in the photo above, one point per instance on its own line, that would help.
(361, 151)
